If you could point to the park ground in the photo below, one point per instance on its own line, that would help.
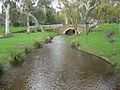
(104, 41)
(97, 42)
(18, 42)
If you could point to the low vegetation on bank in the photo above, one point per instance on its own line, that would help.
(104, 41)
(16, 45)
(21, 43)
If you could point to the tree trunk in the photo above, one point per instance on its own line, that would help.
(36, 22)
(87, 28)
(86, 24)
(7, 20)
(75, 27)
(66, 20)
(28, 24)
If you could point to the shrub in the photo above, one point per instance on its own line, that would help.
(111, 36)
(16, 59)
(75, 45)
(28, 50)
(37, 45)
(48, 40)
(1, 70)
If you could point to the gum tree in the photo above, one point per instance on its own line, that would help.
(28, 7)
(6, 9)
(79, 11)
(71, 13)
(108, 12)
(25, 7)
(86, 7)
(22, 6)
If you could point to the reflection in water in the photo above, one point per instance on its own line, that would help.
(57, 66)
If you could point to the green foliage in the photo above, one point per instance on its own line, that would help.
(17, 19)
(48, 40)
(37, 45)
(71, 13)
(28, 50)
(107, 12)
(44, 13)
(104, 11)
(16, 58)
(1, 70)
(74, 44)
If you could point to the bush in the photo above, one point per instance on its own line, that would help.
(75, 45)
(1, 70)
(37, 45)
(48, 40)
(111, 36)
(28, 50)
(17, 24)
(16, 59)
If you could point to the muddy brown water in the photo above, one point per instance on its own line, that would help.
(58, 66)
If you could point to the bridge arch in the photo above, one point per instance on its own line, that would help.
(69, 31)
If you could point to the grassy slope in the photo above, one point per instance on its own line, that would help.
(98, 43)
(18, 42)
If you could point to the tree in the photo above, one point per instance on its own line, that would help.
(31, 8)
(6, 9)
(45, 13)
(86, 7)
(117, 13)
(108, 12)
(16, 18)
(79, 11)
(71, 13)
(25, 7)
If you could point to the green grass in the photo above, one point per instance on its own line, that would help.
(18, 42)
(12, 29)
(98, 42)
(108, 26)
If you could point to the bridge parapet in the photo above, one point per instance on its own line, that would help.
(60, 28)
(54, 26)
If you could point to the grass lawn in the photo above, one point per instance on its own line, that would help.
(98, 43)
(12, 29)
(18, 42)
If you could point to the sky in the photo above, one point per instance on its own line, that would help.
(55, 5)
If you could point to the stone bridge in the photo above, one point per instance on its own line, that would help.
(69, 29)
(64, 29)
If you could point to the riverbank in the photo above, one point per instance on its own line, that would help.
(19, 42)
(104, 41)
